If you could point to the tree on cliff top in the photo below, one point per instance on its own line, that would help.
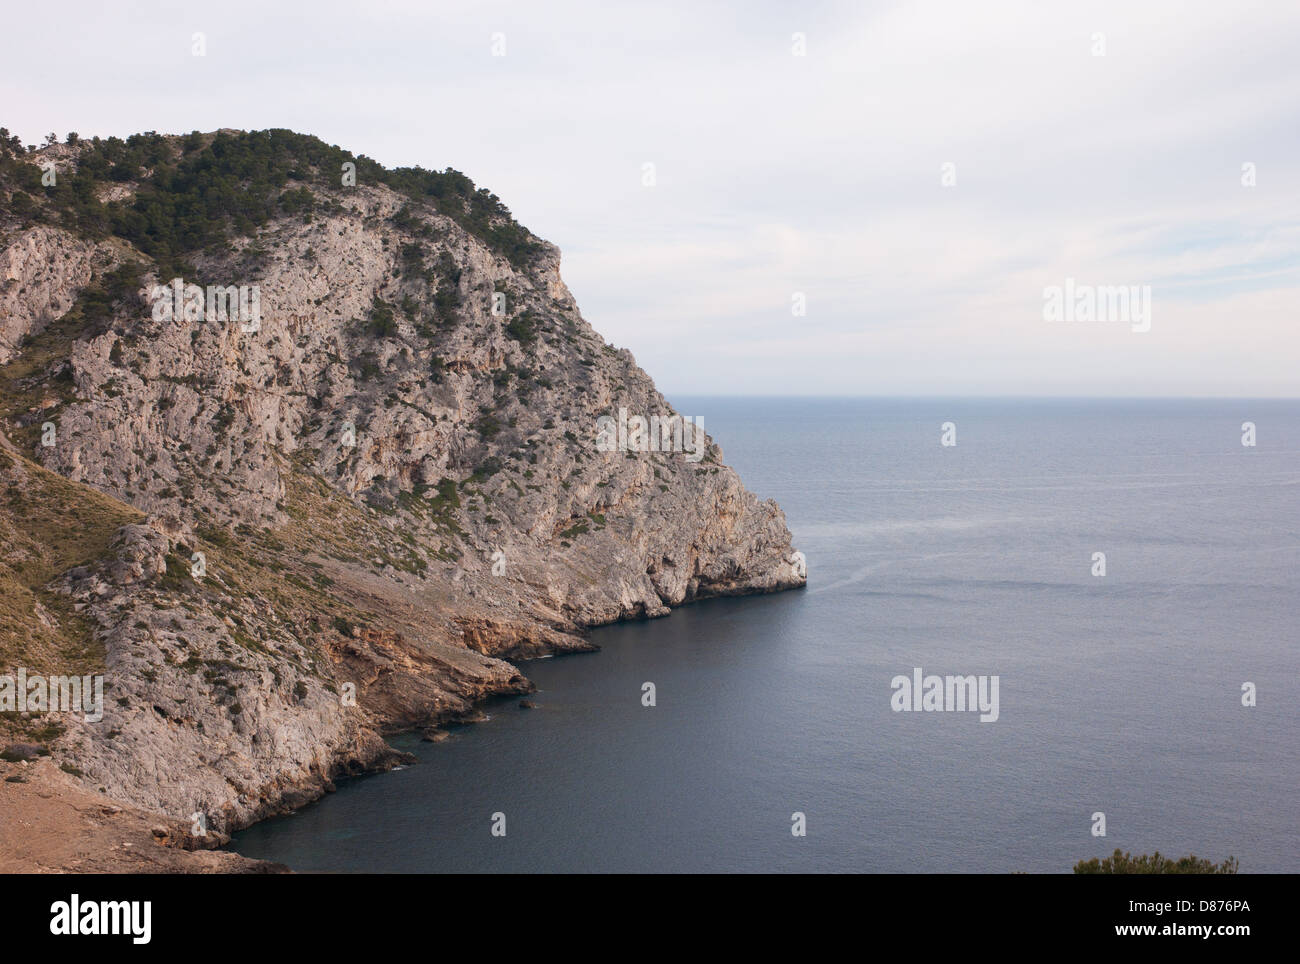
(191, 195)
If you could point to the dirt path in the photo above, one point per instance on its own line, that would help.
(49, 825)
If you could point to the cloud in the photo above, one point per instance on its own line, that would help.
(779, 174)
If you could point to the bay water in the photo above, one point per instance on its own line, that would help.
(1118, 694)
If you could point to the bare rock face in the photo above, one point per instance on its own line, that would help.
(359, 504)
(41, 272)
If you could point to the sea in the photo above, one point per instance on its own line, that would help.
(1122, 574)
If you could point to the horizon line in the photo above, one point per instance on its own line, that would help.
(989, 397)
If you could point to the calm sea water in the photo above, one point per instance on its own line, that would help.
(1119, 694)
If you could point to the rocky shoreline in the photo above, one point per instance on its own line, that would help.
(279, 541)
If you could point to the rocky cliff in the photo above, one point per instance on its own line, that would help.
(338, 512)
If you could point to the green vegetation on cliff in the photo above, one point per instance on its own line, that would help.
(199, 191)
(1121, 862)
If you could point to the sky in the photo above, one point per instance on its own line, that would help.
(918, 177)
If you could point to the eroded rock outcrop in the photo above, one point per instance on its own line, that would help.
(359, 505)
(42, 270)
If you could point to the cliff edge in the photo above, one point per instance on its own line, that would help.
(299, 451)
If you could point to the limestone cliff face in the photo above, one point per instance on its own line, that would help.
(354, 508)
(41, 272)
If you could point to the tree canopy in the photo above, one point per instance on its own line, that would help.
(199, 191)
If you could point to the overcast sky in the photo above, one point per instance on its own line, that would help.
(777, 173)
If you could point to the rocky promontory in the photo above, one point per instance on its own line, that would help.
(335, 501)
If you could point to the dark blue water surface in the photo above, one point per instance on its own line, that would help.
(1119, 694)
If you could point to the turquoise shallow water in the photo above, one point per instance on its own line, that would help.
(1118, 694)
